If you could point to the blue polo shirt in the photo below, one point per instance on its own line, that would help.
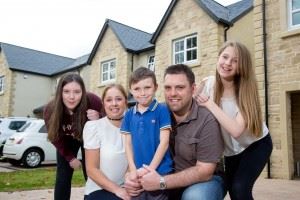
(145, 131)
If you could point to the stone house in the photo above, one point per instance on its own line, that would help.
(28, 78)
(191, 32)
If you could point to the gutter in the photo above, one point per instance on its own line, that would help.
(266, 84)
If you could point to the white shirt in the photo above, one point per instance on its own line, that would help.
(233, 145)
(103, 135)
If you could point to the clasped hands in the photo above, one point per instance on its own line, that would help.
(142, 179)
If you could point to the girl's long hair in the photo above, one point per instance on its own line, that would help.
(246, 90)
(57, 109)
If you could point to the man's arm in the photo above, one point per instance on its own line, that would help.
(199, 173)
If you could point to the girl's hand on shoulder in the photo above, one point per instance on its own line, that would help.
(92, 114)
(122, 193)
(75, 163)
(202, 99)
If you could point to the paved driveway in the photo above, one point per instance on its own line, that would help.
(264, 189)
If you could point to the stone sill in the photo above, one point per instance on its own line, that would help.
(290, 33)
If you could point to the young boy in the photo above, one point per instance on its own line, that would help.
(147, 129)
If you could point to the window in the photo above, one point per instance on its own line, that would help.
(43, 129)
(294, 14)
(185, 49)
(1, 84)
(151, 63)
(108, 71)
(15, 125)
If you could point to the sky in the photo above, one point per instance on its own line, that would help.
(70, 27)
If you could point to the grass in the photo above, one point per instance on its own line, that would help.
(32, 179)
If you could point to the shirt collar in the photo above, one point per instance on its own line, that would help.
(153, 105)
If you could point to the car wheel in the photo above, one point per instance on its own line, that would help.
(32, 158)
(14, 162)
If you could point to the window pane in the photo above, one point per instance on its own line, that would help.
(191, 55)
(296, 18)
(112, 65)
(179, 46)
(104, 76)
(179, 58)
(295, 4)
(105, 67)
(112, 75)
(191, 42)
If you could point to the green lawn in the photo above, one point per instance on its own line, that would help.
(40, 178)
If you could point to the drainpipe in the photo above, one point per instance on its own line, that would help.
(266, 75)
(225, 32)
(132, 62)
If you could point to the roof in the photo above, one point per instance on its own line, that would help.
(33, 61)
(78, 62)
(133, 40)
(219, 13)
(227, 15)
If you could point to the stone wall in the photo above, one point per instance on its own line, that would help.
(6, 96)
(188, 18)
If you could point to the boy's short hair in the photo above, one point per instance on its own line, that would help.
(181, 69)
(141, 73)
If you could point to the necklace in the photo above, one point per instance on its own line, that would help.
(118, 119)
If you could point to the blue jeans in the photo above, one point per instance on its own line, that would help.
(209, 190)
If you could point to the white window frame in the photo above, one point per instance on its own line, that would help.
(291, 12)
(185, 49)
(151, 62)
(110, 70)
(2, 79)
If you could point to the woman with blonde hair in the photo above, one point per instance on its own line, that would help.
(104, 146)
(232, 96)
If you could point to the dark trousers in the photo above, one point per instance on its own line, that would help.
(64, 173)
(153, 195)
(243, 169)
(101, 194)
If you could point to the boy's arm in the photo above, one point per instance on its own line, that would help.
(161, 149)
(129, 153)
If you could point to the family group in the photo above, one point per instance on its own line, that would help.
(203, 142)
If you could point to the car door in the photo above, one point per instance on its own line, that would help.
(48, 147)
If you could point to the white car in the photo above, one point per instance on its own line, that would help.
(30, 145)
(9, 126)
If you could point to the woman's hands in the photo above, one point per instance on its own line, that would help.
(75, 163)
(132, 184)
(122, 193)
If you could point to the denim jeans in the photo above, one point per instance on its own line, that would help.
(209, 190)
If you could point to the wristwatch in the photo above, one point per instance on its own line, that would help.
(162, 183)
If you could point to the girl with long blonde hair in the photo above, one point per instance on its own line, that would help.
(232, 96)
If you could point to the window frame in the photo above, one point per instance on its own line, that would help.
(151, 62)
(185, 49)
(2, 79)
(109, 71)
(291, 12)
